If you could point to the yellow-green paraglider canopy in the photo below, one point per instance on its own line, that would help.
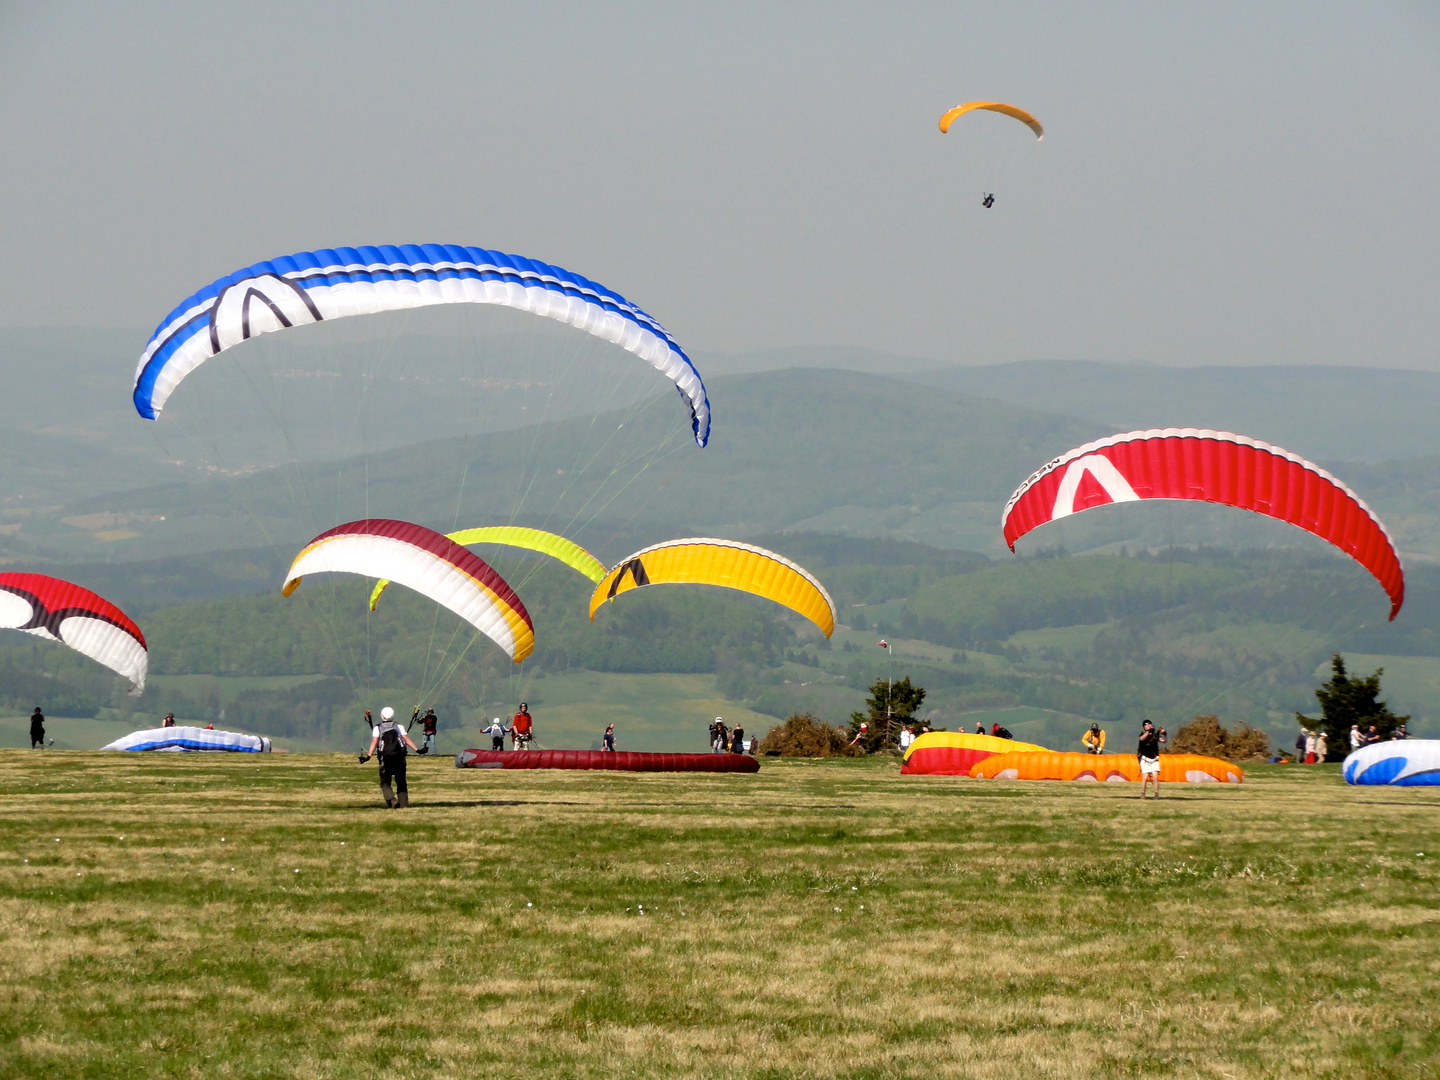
(567, 551)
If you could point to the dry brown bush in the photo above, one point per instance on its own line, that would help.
(805, 735)
(1206, 735)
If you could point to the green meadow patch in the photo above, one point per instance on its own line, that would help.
(219, 916)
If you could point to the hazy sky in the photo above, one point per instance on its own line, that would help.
(1219, 183)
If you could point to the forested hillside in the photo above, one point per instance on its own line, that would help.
(1105, 637)
(890, 491)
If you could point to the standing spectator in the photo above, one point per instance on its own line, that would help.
(1300, 745)
(390, 739)
(1309, 748)
(1399, 733)
(1356, 739)
(979, 728)
(754, 745)
(522, 727)
(907, 736)
(497, 732)
(37, 729)
(1148, 751)
(1094, 740)
(717, 736)
(737, 740)
(1321, 749)
(1372, 736)
(609, 738)
(430, 725)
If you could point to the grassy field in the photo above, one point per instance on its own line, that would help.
(196, 916)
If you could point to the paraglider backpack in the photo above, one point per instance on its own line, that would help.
(390, 738)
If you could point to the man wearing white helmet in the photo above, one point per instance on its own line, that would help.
(497, 732)
(391, 740)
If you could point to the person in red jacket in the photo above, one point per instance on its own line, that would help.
(521, 727)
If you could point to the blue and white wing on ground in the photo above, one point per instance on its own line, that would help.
(318, 286)
(181, 739)
(1403, 763)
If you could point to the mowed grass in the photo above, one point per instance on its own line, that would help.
(208, 916)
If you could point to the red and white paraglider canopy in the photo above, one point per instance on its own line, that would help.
(1208, 466)
(66, 612)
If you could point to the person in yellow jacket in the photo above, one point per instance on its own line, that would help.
(1094, 740)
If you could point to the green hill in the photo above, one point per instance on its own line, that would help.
(1330, 413)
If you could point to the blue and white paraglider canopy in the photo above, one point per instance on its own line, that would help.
(1404, 763)
(191, 739)
(318, 286)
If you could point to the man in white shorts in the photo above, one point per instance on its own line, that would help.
(1149, 754)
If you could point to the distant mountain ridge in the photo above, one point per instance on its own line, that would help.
(1331, 413)
(801, 442)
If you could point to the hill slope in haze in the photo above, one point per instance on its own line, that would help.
(814, 450)
(808, 450)
(1322, 413)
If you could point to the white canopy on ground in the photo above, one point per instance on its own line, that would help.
(191, 738)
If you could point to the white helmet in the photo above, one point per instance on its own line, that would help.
(496, 720)
(387, 713)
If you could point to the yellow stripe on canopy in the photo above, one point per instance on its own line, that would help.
(705, 561)
(992, 106)
(557, 547)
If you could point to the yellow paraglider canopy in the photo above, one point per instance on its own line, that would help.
(704, 561)
(567, 551)
(992, 106)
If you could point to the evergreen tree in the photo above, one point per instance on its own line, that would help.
(1346, 701)
(890, 707)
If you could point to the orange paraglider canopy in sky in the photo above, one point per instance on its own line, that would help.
(992, 106)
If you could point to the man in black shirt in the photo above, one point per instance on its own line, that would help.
(37, 729)
(1148, 751)
(430, 725)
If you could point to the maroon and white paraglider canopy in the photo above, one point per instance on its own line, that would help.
(1208, 466)
(66, 612)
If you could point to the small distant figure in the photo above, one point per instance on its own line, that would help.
(37, 729)
(1300, 744)
(1148, 751)
(717, 736)
(1094, 740)
(1001, 732)
(429, 725)
(737, 740)
(754, 745)
(1399, 734)
(522, 726)
(988, 201)
(979, 728)
(497, 732)
(1357, 740)
(907, 736)
(609, 741)
(209, 727)
(861, 736)
(1372, 736)
(1321, 748)
(168, 720)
